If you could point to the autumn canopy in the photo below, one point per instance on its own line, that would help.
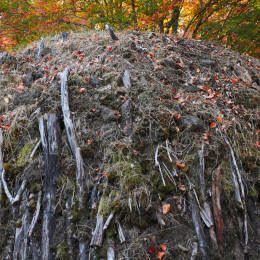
(234, 23)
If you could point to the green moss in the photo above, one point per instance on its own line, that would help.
(112, 231)
(10, 170)
(18, 224)
(104, 206)
(61, 251)
(24, 155)
(34, 187)
(77, 80)
(254, 192)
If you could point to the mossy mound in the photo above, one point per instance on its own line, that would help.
(139, 140)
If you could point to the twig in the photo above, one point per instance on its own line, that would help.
(110, 250)
(97, 237)
(82, 250)
(110, 217)
(35, 215)
(40, 46)
(71, 133)
(35, 149)
(120, 231)
(198, 227)
(17, 198)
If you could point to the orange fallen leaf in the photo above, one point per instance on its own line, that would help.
(219, 118)
(257, 144)
(81, 90)
(92, 109)
(198, 70)
(235, 80)
(166, 208)
(96, 177)
(213, 125)
(182, 187)
(123, 97)
(89, 142)
(163, 247)
(160, 255)
(97, 134)
(180, 165)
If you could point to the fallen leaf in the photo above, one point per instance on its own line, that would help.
(152, 250)
(6, 127)
(257, 144)
(163, 247)
(180, 165)
(198, 70)
(234, 80)
(89, 142)
(97, 134)
(182, 187)
(166, 208)
(81, 90)
(135, 153)
(123, 97)
(213, 125)
(110, 49)
(92, 109)
(160, 255)
(219, 118)
(178, 116)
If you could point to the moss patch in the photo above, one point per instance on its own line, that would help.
(24, 155)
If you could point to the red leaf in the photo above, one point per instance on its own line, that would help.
(110, 49)
(198, 70)
(81, 90)
(89, 142)
(6, 127)
(135, 153)
(235, 80)
(152, 250)
(257, 144)
(86, 79)
(213, 125)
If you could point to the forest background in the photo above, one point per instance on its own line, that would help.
(233, 23)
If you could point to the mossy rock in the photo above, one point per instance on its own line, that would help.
(24, 155)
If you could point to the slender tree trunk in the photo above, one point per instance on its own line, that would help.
(134, 13)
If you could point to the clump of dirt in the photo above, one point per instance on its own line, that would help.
(150, 112)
